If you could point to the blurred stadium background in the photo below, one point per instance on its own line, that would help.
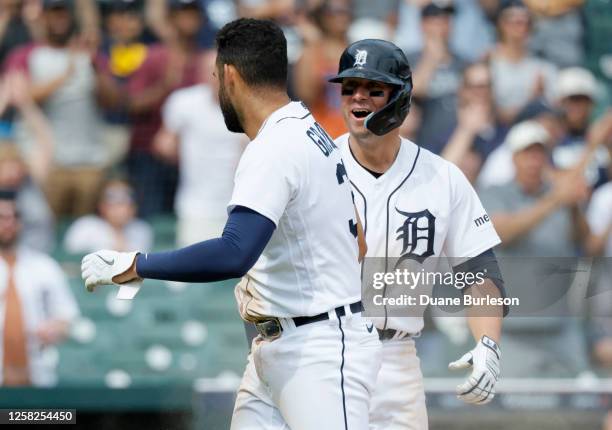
(110, 136)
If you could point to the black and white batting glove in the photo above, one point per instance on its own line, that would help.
(100, 267)
(484, 359)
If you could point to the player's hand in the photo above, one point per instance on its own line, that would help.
(107, 267)
(479, 388)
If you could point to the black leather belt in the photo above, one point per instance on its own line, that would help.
(271, 328)
(390, 333)
(355, 308)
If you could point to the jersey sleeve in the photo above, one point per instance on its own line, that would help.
(267, 178)
(471, 231)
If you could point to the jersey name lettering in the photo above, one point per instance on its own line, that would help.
(319, 136)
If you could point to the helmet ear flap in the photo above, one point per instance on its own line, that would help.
(392, 115)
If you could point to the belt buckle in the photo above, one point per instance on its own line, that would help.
(269, 329)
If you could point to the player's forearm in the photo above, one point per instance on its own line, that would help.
(230, 256)
(485, 320)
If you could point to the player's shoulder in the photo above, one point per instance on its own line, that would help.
(424, 159)
(286, 128)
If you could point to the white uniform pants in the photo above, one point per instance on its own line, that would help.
(398, 402)
(318, 376)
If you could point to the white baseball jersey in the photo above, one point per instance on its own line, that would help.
(292, 174)
(423, 206)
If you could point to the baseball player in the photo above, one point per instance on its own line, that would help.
(292, 237)
(413, 205)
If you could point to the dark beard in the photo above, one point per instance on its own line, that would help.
(230, 116)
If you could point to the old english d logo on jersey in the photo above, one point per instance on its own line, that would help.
(360, 58)
(417, 235)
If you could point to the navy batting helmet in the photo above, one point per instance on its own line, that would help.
(381, 61)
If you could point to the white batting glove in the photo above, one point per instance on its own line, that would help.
(99, 268)
(479, 388)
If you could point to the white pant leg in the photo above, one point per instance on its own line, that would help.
(398, 402)
(254, 409)
(318, 376)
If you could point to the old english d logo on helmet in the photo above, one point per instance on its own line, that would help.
(360, 58)
(381, 61)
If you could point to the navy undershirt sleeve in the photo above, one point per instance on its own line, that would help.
(230, 256)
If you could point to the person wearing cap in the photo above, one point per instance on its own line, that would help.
(535, 215)
(437, 74)
(115, 226)
(138, 87)
(38, 306)
(576, 98)
(518, 77)
(540, 220)
(63, 80)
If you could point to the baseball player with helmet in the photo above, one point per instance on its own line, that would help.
(292, 237)
(397, 186)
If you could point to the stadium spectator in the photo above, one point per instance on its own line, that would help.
(472, 32)
(194, 134)
(577, 91)
(37, 304)
(27, 174)
(319, 62)
(16, 26)
(63, 81)
(538, 217)
(531, 208)
(518, 77)
(165, 68)
(498, 168)
(477, 132)
(122, 53)
(436, 75)
(373, 22)
(558, 32)
(115, 226)
(570, 124)
(159, 15)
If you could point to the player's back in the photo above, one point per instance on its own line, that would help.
(292, 173)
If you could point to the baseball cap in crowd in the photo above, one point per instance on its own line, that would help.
(57, 4)
(525, 134)
(576, 81)
(437, 8)
(508, 4)
(124, 5)
(180, 4)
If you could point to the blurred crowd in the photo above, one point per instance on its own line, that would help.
(109, 118)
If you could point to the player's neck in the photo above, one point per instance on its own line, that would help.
(259, 107)
(376, 153)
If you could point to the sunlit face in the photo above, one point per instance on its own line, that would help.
(529, 164)
(125, 26)
(361, 97)
(477, 84)
(577, 110)
(514, 24)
